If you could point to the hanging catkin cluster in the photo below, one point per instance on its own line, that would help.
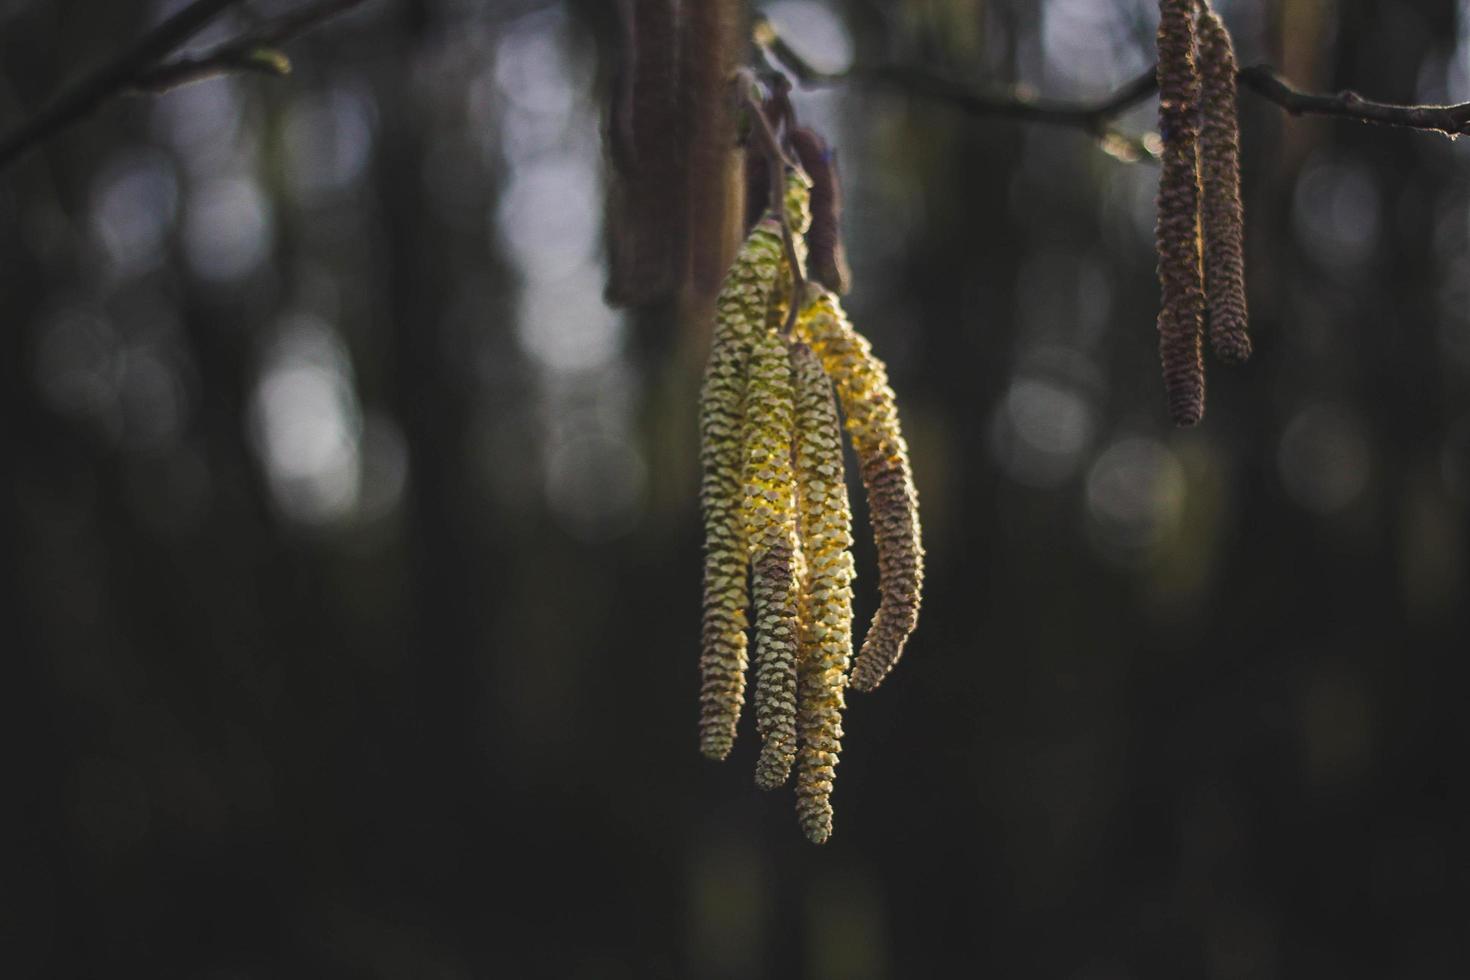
(775, 502)
(1200, 220)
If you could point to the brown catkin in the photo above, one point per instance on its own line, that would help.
(740, 313)
(1221, 215)
(769, 511)
(1181, 317)
(828, 261)
(825, 530)
(893, 502)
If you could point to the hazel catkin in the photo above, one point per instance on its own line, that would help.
(825, 531)
(1181, 317)
(775, 502)
(872, 424)
(1222, 217)
(740, 312)
(769, 512)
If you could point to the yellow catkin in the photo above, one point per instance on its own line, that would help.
(770, 529)
(740, 312)
(824, 521)
(893, 502)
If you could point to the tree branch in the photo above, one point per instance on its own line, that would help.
(1451, 120)
(141, 67)
(1097, 117)
(252, 51)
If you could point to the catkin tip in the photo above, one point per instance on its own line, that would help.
(716, 748)
(818, 832)
(773, 768)
(1231, 343)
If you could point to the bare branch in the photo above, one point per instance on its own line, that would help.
(141, 66)
(1097, 117)
(1451, 120)
(253, 51)
(85, 95)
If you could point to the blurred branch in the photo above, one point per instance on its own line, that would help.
(141, 67)
(253, 51)
(1015, 103)
(1097, 117)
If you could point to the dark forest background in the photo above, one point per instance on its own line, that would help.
(351, 542)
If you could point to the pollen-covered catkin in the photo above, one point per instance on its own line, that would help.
(770, 529)
(825, 530)
(1221, 215)
(1181, 317)
(740, 312)
(893, 502)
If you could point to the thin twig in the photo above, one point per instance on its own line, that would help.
(1096, 117)
(86, 94)
(141, 66)
(252, 51)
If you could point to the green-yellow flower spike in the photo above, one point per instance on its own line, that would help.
(740, 312)
(770, 529)
(893, 503)
(824, 521)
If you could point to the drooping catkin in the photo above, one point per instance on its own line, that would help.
(740, 312)
(825, 531)
(769, 511)
(828, 255)
(893, 503)
(1181, 317)
(1221, 215)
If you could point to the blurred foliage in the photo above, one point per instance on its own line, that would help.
(352, 541)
